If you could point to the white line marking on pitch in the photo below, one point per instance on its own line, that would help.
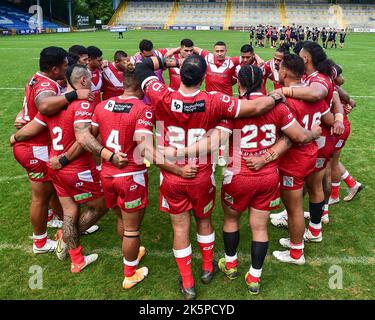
(116, 253)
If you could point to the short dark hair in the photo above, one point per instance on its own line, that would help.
(193, 70)
(251, 78)
(298, 47)
(295, 64)
(77, 50)
(119, 54)
(220, 43)
(187, 43)
(51, 57)
(94, 52)
(145, 45)
(247, 48)
(284, 48)
(319, 58)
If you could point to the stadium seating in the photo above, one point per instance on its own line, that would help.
(146, 13)
(13, 18)
(249, 12)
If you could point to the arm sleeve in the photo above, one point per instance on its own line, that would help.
(226, 106)
(146, 120)
(285, 117)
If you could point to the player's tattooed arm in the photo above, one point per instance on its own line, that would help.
(250, 108)
(203, 147)
(146, 149)
(312, 93)
(27, 132)
(272, 154)
(49, 104)
(85, 138)
(297, 134)
(344, 96)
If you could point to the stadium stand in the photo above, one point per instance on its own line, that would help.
(237, 13)
(14, 18)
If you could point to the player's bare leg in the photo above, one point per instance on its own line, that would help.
(231, 237)
(293, 201)
(314, 183)
(131, 248)
(258, 222)
(41, 193)
(55, 212)
(71, 232)
(183, 253)
(206, 242)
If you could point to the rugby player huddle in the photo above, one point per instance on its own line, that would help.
(292, 34)
(79, 147)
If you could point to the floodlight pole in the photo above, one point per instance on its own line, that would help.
(243, 15)
(70, 12)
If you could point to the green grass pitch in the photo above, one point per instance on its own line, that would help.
(348, 239)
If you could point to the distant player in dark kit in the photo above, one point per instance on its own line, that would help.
(323, 35)
(315, 34)
(274, 37)
(342, 38)
(308, 33)
(252, 34)
(282, 33)
(301, 34)
(334, 34)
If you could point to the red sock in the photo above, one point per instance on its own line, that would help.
(183, 259)
(206, 244)
(40, 240)
(130, 267)
(335, 190)
(315, 230)
(232, 264)
(296, 250)
(253, 278)
(349, 180)
(76, 255)
(325, 210)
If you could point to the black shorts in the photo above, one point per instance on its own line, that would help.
(282, 37)
(259, 37)
(314, 39)
(324, 39)
(274, 38)
(342, 41)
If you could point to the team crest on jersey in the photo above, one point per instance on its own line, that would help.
(117, 107)
(288, 181)
(179, 106)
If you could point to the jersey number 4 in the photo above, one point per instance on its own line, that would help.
(113, 141)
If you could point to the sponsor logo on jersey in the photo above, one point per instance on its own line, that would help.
(133, 187)
(133, 204)
(208, 207)
(79, 184)
(33, 161)
(82, 196)
(83, 113)
(288, 181)
(228, 198)
(117, 107)
(275, 202)
(180, 106)
(146, 123)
